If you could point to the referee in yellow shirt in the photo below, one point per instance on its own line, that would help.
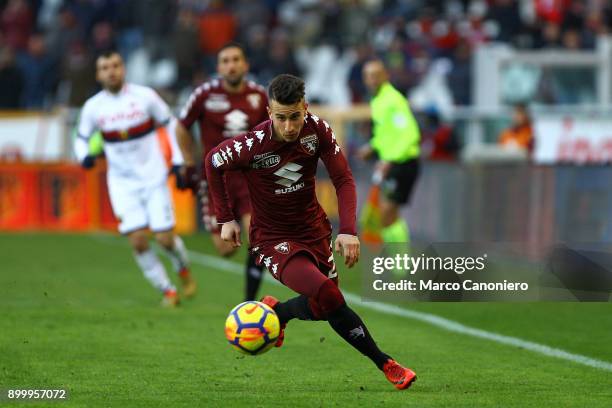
(395, 141)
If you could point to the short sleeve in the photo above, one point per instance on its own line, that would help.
(158, 109)
(86, 128)
(87, 123)
(192, 109)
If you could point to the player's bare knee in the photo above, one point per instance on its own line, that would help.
(388, 215)
(329, 298)
(139, 242)
(387, 219)
(389, 212)
(226, 250)
(165, 239)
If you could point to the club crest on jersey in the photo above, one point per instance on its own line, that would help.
(310, 144)
(283, 248)
(254, 99)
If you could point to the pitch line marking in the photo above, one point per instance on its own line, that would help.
(434, 320)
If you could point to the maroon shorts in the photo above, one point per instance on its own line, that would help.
(275, 255)
(238, 195)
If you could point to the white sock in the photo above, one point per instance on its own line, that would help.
(153, 270)
(178, 254)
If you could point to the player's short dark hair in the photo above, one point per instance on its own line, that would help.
(375, 59)
(107, 53)
(286, 89)
(521, 106)
(233, 44)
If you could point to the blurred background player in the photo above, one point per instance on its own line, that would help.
(127, 116)
(395, 142)
(520, 134)
(440, 141)
(290, 233)
(224, 108)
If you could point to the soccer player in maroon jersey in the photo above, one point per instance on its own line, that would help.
(290, 233)
(224, 108)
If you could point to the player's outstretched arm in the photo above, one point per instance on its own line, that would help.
(85, 130)
(226, 156)
(230, 232)
(343, 181)
(348, 246)
(186, 172)
(185, 143)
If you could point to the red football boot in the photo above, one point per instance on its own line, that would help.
(188, 283)
(272, 302)
(400, 377)
(170, 299)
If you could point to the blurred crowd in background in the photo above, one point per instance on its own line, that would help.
(48, 47)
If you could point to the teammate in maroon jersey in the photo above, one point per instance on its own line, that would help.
(290, 232)
(224, 108)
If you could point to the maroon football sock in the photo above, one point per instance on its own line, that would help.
(301, 275)
(316, 289)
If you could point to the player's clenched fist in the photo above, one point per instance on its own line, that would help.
(230, 231)
(348, 247)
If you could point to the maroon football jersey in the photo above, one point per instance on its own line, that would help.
(222, 115)
(281, 181)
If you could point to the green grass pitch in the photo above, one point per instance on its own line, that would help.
(75, 313)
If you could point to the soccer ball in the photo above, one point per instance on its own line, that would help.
(252, 328)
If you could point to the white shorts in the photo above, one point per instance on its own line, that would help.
(141, 208)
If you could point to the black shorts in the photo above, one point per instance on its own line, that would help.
(400, 181)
